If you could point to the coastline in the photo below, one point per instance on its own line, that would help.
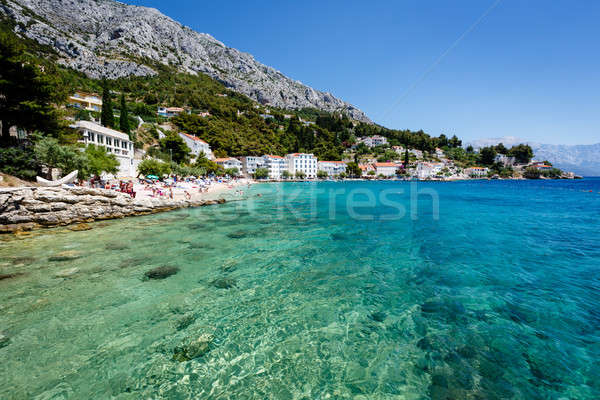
(23, 209)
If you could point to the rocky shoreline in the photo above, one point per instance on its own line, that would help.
(28, 208)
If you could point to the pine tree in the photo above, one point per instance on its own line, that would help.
(27, 93)
(107, 117)
(124, 119)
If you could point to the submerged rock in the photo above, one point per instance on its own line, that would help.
(161, 272)
(237, 235)
(224, 283)
(4, 341)
(65, 256)
(193, 349)
(185, 321)
(80, 227)
(65, 273)
(116, 246)
(378, 316)
(23, 260)
(10, 276)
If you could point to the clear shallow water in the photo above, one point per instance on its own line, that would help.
(499, 297)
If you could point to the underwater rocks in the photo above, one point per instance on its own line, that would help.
(224, 283)
(378, 316)
(185, 321)
(66, 273)
(10, 276)
(68, 255)
(80, 227)
(237, 234)
(116, 246)
(193, 349)
(161, 272)
(4, 340)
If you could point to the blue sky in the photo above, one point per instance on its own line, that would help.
(530, 68)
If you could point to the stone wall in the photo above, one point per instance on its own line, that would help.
(23, 209)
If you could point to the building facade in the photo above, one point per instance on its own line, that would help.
(197, 145)
(477, 172)
(427, 170)
(386, 168)
(113, 141)
(275, 165)
(372, 141)
(333, 168)
(302, 162)
(86, 101)
(229, 163)
(251, 163)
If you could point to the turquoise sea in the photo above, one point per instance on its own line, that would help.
(363, 290)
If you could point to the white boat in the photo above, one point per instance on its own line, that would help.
(62, 181)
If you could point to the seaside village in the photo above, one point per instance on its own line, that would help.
(369, 157)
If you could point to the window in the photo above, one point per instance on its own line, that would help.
(100, 139)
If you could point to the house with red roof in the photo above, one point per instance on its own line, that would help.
(197, 145)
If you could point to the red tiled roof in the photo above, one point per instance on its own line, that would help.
(385, 164)
(268, 155)
(197, 139)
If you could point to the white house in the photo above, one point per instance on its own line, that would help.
(276, 165)
(505, 160)
(251, 163)
(398, 149)
(302, 162)
(333, 168)
(372, 141)
(477, 172)
(229, 163)
(115, 142)
(197, 145)
(386, 168)
(428, 170)
(439, 153)
(417, 153)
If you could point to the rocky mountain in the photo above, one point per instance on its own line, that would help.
(581, 159)
(112, 39)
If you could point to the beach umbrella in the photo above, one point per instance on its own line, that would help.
(152, 176)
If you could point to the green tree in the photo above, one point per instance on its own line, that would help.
(286, 174)
(322, 174)
(261, 173)
(107, 117)
(124, 118)
(470, 149)
(300, 175)
(173, 145)
(487, 156)
(353, 170)
(98, 160)
(150, 166)
(532, 173)
(501, 149)
(27, 93)
(207, 165)
(454, 142)
(406, 158)
(54, 155)
(232, 171)
(523, 153)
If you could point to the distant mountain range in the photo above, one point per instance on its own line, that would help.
(105, 38)
(581, 159)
